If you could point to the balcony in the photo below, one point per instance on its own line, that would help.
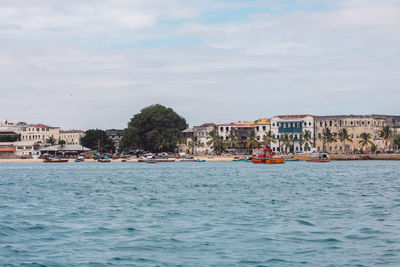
(291, 130)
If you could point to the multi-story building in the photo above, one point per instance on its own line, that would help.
(72, 137)
(355, 125)
(202, 132)
(294, 126)
(39, 133)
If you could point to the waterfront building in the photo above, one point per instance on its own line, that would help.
(72, 137)
(202, 133)
(65, 150)
(294, 127)
(355, 125)
(39, 133)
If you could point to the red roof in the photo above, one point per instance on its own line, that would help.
(208, 125)
(42, 126)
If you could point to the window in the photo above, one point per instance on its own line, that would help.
(330, 123)
(319, 135)
(258, 138)
(264, 128)
(309, 123)
(258, 128)
(273, 124)
(295, 136)
(277, 136)
(227, 128)
(221, 129)
(320, 123)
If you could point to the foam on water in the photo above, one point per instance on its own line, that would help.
(200, 214)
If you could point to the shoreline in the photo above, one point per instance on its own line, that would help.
(333, 157)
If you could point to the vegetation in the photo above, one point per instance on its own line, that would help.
(307, 140)
(61, 142)
(97, 140)
(269, 138)
(386, 134)
(396, 141)
(287, 142)
(195, 143)
(10, 138)
(231, 140)
(328, 137)
(156, 128)
(365, 140)
(251, 141)
(216, 143)
(344, 136)
(51, 140)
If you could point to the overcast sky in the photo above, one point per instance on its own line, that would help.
(93, 64)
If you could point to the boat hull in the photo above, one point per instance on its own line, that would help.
(55, 160)
(268, 160)
(318, 160)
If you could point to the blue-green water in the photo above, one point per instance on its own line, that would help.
(200, 214)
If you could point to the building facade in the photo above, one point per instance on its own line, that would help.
(355, 125)
(294, 127)
(72, 137)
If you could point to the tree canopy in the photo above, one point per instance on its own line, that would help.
(156, 128)
(97, 139)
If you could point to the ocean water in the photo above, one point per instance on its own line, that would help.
(200, 214)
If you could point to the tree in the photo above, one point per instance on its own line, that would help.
(344, 136)
(396, 141)
(51, 140)
(231, 140)
(10, 138)
(156, 128)
(365, 140)
(194, 143)
(61, 142)
(269, 138)
(307, 140)
(287, 142)
(386, 133)
(216, 143)
(328, 137)
(251, 141)
(97, 139)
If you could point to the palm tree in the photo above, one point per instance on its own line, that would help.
(252, 140)
(231, 140)
(269, 138)
(307, 140)
(196, 142)
(344, 136)
(386, 133)
(396, 141)
(328, 137)
(286, 141)
(365, 140)
(216, 143)
(51, 140)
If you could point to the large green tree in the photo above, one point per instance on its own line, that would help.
(251, 141)
(386, 134)
(365, 140)
(156, 128)
(232, 140)
(215, 142)
(307, 140)
(328, 137)
(97, 139)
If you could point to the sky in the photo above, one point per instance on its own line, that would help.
(83, 64)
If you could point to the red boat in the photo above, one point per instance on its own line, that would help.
(266, 156)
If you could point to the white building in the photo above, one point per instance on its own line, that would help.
(202, 132)
(294, 126)
(72, 137)
(39, 133)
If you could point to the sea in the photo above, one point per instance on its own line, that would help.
(342, 213)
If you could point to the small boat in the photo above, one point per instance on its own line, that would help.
(104, 159)
(165, 160)
(54, 160)
(290, 158)
(123, 160)
(201, 160)
(152, 161)
(266, 156)
(322, 157)
(79, 159)
(239, 159)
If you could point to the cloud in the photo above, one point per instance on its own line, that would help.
(86, 64)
